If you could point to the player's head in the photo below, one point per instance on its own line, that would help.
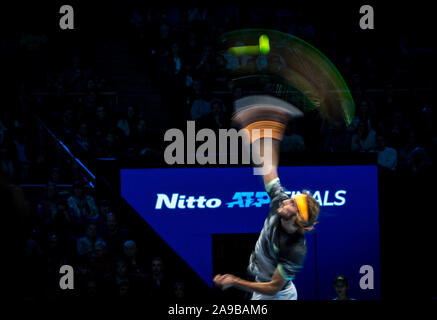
(341, 286)
(300, 210)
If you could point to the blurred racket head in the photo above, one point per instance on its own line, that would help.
(285, 68)
(255, 108)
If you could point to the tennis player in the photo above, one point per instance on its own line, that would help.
(280, 250)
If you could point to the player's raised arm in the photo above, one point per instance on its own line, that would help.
(264, 119)
(268, 152)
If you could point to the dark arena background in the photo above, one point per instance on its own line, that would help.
(83, 177)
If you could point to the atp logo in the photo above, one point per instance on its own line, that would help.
(248, 199)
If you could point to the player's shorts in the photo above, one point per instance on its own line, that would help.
(288, 293)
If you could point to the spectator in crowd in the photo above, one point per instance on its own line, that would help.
(77, 75)
(187, 74)
(335, 138)
(118, 282)
(102, 124)
(165, 66)
(66, 127)
(105, 207)
(3, 130)
(387, 157)
(397, 129)
(341, 287)
(82, 272)
(89, 102)
(292, 141)
(232, 62)
(201, 105)
(207, 62)
(86, 245)
(364, 139)
(191, 48)
(197, 14)
(158, 282)
(419, 161)
(101, 264)
(115, 236)
(110, 147)
(193, 89)
(433, 150)
(102, 83)
(55, 176)
(55, 255)
(425, 121)
(7, 165)
(92, 293)
(179, 291)
(217, 119)
(165, 33)
(48, 208)
(127, 124)
(284, 21)
(219, 74)
(134, 264)
(356, 83)
(177, 62)
(137, 24)
(362, 115)
(124, 291)
(22, 151)
(406, 150)
(143, 139)
(40, 170)
(85, 142)
(60, 223)
(229, 16)
(82, 206)
(91, 85)
(33, 256)
(58, 84)
(174, 82)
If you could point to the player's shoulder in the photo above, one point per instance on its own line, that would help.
(272, 219)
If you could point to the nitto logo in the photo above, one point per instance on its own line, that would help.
(181, 202)
(241, 200)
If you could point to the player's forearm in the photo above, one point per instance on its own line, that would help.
(270, 154)
(267, 288)
(273, 174)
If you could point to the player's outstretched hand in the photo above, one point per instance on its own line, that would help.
(224, 281)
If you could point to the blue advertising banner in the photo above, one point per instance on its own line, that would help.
(186, 206)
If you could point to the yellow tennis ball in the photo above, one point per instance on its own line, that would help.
(264, 44)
